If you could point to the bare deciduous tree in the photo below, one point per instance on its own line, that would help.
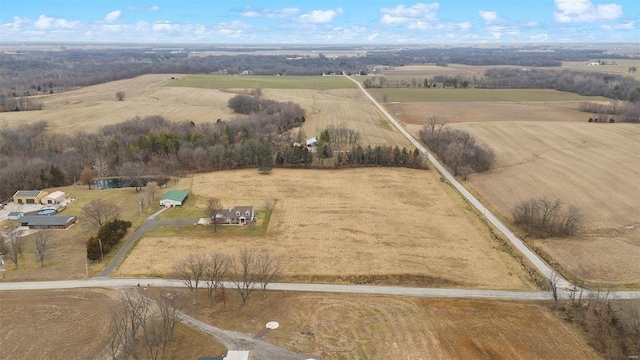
(128, 314)
(190, 271)
(120, 95)
(214, 209)
(545, 217)
(268, 268)
(215, 271)
(11, 245)
(41, 241)
(245, 271)
(100, 212)
(152, 189)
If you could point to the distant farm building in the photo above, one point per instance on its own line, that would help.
(239, 215)
(47, 222)
(174, 198)
(55, 197)
(28, 196)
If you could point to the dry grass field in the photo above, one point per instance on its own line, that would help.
(348, 107)
(90, 108)
(333, 224)
(340, 326)
(74, 324)
(594, 167)
(413, 114)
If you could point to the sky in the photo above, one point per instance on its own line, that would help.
(363, 22)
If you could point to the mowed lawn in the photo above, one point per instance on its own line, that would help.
(476, 95)
(262, 82)
(394, 225)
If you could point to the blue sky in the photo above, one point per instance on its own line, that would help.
(321, 22)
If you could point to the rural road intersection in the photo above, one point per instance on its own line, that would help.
(266, 350)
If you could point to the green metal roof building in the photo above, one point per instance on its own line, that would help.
(174, 198)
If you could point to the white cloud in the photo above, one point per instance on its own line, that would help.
(624, 26)
(585, 11)
(402, 14)
(250, 14)
(164, 26)
(44, 22)
(320, 16)
(488, 16)
(113, 16)
(272, 14)
(153, 8)
(235, 25)
(17, 23)
(373, 36)
(531, 24)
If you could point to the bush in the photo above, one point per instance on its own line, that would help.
(544, 217)
(458, 150)
(109, 234)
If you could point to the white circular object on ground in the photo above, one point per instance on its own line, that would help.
(273, 325)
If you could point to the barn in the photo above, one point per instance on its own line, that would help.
(55, 197)
(174, 198)
(28, 196)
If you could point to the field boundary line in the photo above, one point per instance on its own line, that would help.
(549, 273)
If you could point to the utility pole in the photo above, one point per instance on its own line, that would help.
(86, 267)
(101, 254)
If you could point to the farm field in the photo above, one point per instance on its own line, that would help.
(591, 166)
(348, 107)
(392, 225)
(74, 324)
(329, 100)
(621, 68)
(413, 114)
(262, 82)
(340, 326)
(408, 95)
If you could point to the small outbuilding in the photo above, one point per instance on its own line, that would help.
(56, 197)
(15, 215)
(174, 198)
(28, 196)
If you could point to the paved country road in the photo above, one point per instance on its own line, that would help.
(533, 258)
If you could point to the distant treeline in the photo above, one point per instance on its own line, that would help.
(28, 73)
(616, 87)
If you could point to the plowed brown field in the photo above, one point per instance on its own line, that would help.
(337, 326)
(354, 222)
(594, 167)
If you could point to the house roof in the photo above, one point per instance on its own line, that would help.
(28, 193)
(46, 220)
(231, 213)
(237, 355)
(175, 195)
(55, 195)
